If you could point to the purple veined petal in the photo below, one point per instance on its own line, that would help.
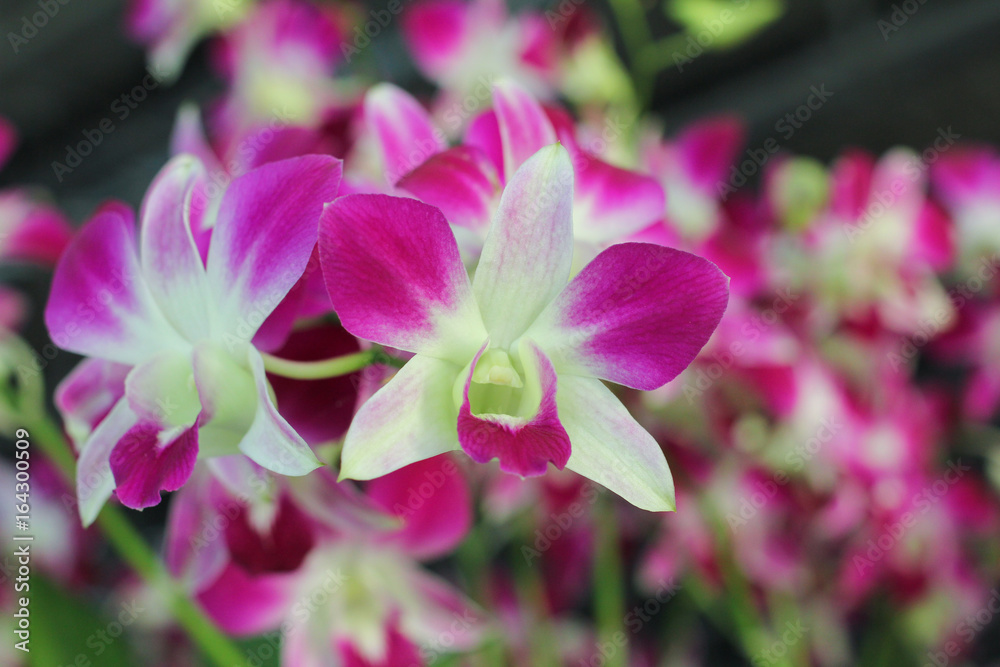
(404, 131)
(264, 236)
(524, 443)
(524, 127)
(271, 442)
(395, 276)
(462, 182)
(410, 419)
(246, 605)
(637, 315)
(170, 260)
(150, 459)
(162, 390)
(100, 304)
(94, 479)
(611, 448)
(528, 252)
(611, 203)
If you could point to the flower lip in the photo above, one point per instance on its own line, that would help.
(518, 425)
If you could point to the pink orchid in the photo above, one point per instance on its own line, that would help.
(967, 179)
(465, 182)
(31, 230)
(171, 28)
(185, 325)
(696, 170)
(336, 574)
(876, 246)
(279, 61)
(460, 44)
(507, 366)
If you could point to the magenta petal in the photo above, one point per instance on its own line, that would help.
(432, 499)
(245, 605)
(399, 652)
(36, 232)
(709, 148)
(264, 236)
(636, 315)
(610, 203)
(524, 447)
(462, 182)
(524, 127)
(143, 467)
(435, 32)
(395, 277)
(405, 133)
(484, 133)
(100, 305)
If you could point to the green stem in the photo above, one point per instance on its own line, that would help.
(609, 584)
(750, 629)
(328, 368)
(140, 557)
(634, 28)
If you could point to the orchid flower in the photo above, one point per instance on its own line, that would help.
(31, 230)
(507, 367)
(185, 326)
(966, 178)
(876, 246)
(170, 28)
(279, 61)
(696, 171)
(460, 44)
(464, 182)
(336, 572)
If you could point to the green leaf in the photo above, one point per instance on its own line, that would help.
(726, 23)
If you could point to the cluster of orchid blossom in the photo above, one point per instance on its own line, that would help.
(350, 329)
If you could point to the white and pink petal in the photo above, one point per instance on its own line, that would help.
(637, 315)
(410, 419)
(395, 276)
(611, 448)
(528, 252)
(264, 237)
(100, 304)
